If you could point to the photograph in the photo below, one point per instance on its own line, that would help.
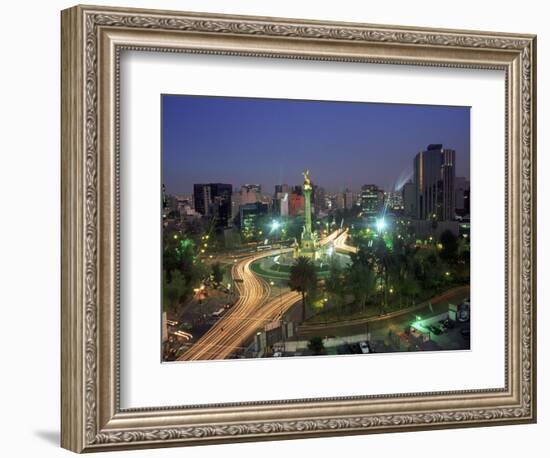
(266, 226)
(309, 228)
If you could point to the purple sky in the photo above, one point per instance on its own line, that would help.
(270, 141)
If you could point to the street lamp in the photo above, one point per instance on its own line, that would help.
(380, 224)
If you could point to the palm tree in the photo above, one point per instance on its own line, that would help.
(302, 279)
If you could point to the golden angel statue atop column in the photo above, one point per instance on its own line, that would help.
(307, 180)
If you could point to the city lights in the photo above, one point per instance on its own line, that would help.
(380, 224)
(353, 257)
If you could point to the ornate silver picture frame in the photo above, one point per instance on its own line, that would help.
(93, 39)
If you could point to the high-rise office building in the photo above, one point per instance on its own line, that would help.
(371, 199)
(339, 201)
(462, 195)
(319, 199)
(409, 198)
(393, 200)
(250, 193)
(281, 188)
(280, 203)
(250, 215)
(348, 199)
(296, 202)
(434, 177)
(214, 200)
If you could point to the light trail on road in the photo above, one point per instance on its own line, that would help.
(340, 243)
(251, 312)
(253, 291)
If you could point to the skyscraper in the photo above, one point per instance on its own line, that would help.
(250, 215)
(409, 198)
(371, 200)
(348, 199)
(462, 194)
(318, 198)
(250, 193)
(296, 202)
(281, 199)
(280, 203)
(434, 176)
(214, 200)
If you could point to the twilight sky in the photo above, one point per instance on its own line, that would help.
(270, 141)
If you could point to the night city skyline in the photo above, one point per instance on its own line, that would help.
(357, 242)
(270, 141)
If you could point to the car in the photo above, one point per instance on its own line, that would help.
(365, 347)
(449, 324)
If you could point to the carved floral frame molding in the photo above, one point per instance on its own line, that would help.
(92, 40)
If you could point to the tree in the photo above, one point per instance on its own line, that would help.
(173, 291)
(449, 250)
(361, 281)
(334, 285)
(381, 262)
(217, 273)
(410, 288)
(316, 345)
(303, 279)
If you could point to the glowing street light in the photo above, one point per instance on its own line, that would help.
(275, 225)
(380, 224)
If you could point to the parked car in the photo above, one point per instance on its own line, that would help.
(449, 324)
(365, 347)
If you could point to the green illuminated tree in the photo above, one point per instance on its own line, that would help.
(303, 279)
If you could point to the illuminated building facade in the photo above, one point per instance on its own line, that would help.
(214, 200)
(434, 175)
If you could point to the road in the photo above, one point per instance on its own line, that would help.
(340, 243)
(252, 292)
(395, 319)
(252, 310)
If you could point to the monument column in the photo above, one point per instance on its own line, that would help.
(308, 243)
(307, 205)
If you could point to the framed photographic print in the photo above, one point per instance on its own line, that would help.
(278, 228)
